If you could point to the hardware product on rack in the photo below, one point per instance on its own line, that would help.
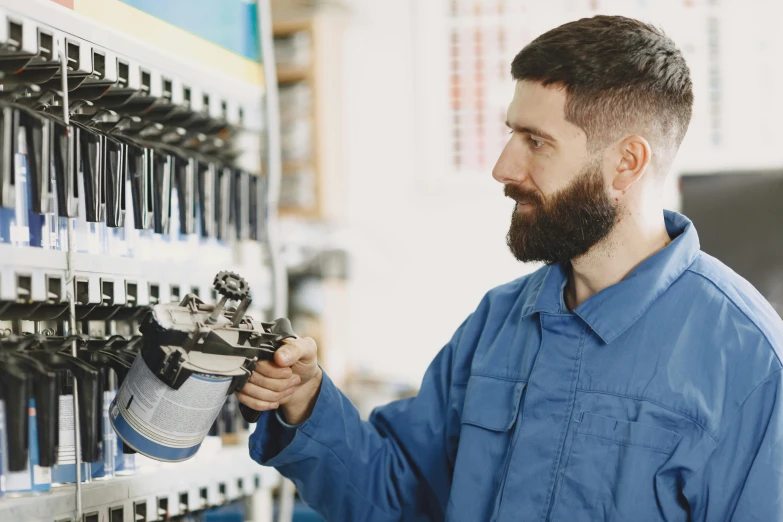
(128, 177)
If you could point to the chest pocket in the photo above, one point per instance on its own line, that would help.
(489, 412)
(610, 473)
(492, 403)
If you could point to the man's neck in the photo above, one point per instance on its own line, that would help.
(634, 239)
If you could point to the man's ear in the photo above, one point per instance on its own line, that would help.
(634, 154)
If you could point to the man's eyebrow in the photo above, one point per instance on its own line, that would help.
(531, 130)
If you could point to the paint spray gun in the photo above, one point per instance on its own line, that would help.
(193, 357)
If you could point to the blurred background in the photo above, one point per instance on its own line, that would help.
(393, 116)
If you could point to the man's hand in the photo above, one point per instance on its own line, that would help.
(291, 381)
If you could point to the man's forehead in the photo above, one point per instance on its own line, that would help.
(534, 105)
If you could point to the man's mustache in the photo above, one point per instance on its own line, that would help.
(519, 194)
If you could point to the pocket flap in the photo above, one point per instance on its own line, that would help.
(492, 403)
(625, 432)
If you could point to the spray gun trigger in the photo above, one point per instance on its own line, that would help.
(283, 330)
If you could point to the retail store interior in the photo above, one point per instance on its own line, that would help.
(188, 186)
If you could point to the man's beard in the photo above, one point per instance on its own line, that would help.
(567, 225)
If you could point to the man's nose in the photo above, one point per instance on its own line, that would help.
(510, 169)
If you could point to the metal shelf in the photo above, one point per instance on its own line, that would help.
(40, 264)
(187, 70)
(212, 477)
(185, 275)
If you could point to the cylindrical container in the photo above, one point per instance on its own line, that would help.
(113, 368)
(65, 470)
(14, 222)
(163, 423)
(194, 356)
(20, 465)
(88, 379)
(124, 456)
(34, 479)
(106, 469)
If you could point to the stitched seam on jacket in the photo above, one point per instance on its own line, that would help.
(664, 288)
(630, 444)
(729, 299)
(551, 506)
(653, 401)
(489, 376)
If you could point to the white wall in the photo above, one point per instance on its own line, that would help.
(424, 251)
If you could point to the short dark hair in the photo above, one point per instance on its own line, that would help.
(619, 75)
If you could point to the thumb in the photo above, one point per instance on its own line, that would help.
(288, 354)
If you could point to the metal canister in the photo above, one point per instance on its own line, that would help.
(194, 355)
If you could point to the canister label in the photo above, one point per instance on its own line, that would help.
(163, 423)
(64, 472)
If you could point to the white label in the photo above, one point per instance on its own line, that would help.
(19, 234)
(66, 454)
(175, 418)
(42, 475)
(94, 241)
(109, 438)
(53, 240)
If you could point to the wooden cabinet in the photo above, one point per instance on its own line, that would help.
(307, 46)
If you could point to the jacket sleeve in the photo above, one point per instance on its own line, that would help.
(742, 479)
(395, 467)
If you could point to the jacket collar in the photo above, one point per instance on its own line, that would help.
(613, 310)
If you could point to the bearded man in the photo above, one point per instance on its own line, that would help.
(631, 378)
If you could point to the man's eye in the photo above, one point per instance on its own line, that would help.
(536, 144)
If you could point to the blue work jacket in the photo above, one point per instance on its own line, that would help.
(657, 399)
